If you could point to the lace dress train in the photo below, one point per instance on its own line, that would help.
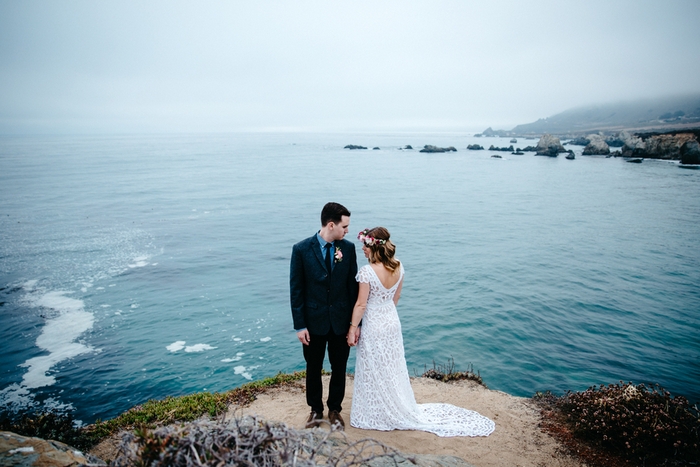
(383, 398)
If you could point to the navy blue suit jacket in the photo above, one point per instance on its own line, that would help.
(322, 302)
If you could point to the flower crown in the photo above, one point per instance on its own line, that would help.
(369, 240)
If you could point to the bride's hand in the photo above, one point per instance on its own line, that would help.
(351, 338)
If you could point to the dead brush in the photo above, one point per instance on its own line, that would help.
(644, 425)
(246, 441)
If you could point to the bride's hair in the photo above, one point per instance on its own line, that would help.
(382, 251)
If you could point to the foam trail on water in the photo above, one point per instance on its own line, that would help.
(57, 337)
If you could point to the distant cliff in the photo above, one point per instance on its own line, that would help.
(651, 114)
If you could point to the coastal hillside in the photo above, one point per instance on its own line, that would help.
(649, 114)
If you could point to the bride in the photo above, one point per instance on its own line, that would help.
(383, 398)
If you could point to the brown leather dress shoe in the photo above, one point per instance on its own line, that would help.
(314, 419)
(337, 422)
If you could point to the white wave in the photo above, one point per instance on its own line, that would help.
(175, 346)
(57, 337)
(55, 405)
(15, 397)
(238, 356)
(139, 262)
(198, 348)
(240, 370)
(265, 339)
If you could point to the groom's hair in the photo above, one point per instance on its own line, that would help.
(333, 212)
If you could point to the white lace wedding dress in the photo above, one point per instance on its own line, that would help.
(383, 398)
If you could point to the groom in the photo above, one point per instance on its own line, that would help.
(323, 291)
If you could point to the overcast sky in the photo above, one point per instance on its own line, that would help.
(175, 66)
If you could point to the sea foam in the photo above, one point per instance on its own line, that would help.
(175, 346)
(57, 337)
(198, 348)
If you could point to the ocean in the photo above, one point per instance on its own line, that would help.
(144, 266)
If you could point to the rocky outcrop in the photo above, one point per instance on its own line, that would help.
(614, 141)
(430, 148)
(20, 451)
(596, 146)
(580, 141)
(666, 146)
(690, 153)
(475, 147)
(376, 148)
(354, 146)
(549, 145)
(494, 148)
(408, 146)
(527, 149)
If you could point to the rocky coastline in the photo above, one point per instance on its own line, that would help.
(676, 145)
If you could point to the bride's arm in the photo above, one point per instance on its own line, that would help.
(358, 312)
(398, 293)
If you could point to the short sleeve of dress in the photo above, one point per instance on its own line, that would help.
(363, 275)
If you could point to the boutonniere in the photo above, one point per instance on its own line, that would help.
(338, 255)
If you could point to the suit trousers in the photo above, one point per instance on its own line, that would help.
(314, 353)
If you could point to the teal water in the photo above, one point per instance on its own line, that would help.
(138, 267)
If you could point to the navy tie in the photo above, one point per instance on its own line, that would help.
(328, 257)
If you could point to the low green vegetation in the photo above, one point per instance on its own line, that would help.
(637, 424)
(149, 415)
(189, 407)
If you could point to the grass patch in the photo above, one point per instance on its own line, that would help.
(186, 408)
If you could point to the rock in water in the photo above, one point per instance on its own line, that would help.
(690, 153)
(580, 141)
(664, 146)
(549, 145)
(431, 148)
(596, 146)
(17, 450)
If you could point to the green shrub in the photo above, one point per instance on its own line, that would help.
(46, 425)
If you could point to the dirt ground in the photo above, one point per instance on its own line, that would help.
(516, 442)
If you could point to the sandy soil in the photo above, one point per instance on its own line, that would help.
(517, 440)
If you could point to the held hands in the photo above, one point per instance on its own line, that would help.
(353, 336)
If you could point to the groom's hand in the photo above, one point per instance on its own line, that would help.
(304, 337)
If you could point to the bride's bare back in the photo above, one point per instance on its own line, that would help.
(386, 277)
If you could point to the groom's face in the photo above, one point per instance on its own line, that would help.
(340, 230)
